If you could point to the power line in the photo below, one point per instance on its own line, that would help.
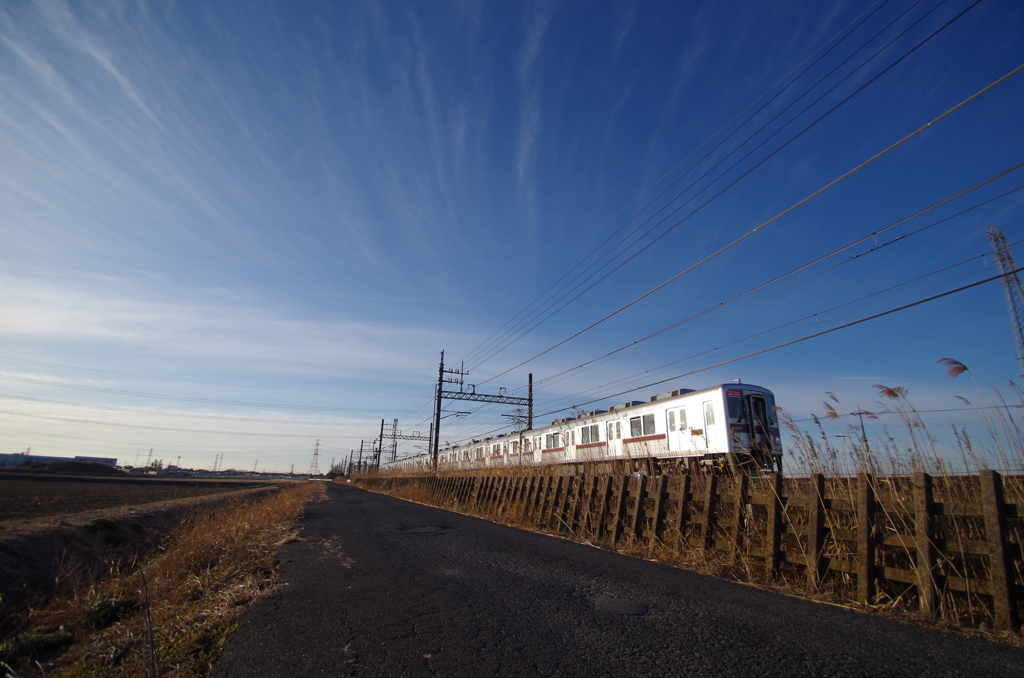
(745, 341)
(215, 401)
(768, 222)
(180, 414)
(193, 381)
(721, 305)
(936, 411)
(742, 175)
(163, 428)
(801, 339)
(872, 10)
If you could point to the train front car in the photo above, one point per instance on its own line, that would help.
(755, 445)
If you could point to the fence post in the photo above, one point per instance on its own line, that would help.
(1000, 572)
(549, 514)
(711, 482)
(815, 528)
(659, 505)
(865, 538)
(563, 506)
(620, 510)
(740, 523)
(606, 495)
(923, 533)
(637, 526)
(684, 490)
(576, 525)
(500, 495)
(773, 534)
(587, 524)
(537, 492)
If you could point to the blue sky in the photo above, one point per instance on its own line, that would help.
(237, 228)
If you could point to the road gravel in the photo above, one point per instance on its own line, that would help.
(377, 586)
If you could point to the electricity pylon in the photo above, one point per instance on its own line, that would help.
(1012, 286)
(314, 467)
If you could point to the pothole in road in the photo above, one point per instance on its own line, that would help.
(619, 606)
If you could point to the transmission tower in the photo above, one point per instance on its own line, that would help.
(1012, 286)
(314, 467)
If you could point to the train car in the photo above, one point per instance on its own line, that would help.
(729, 428)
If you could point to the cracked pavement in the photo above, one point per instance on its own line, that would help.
(377, 586)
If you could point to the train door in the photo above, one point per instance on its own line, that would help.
(712, 429)
(677, 431)
(760, 424)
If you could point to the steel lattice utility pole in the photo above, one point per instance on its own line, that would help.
(314, 466)
(471, 395)
(1012, 286)
(394, 435)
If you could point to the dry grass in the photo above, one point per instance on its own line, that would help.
(169, 613)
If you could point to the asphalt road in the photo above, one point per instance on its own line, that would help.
(382, 587)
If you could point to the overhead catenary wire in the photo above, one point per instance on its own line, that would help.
(721, 305)
(543, 383)
(746, 341)
(648, 373)
(801, 339)
(858, 20)
(632, 255)
(766, 223)
(165, 428)
(162, 396)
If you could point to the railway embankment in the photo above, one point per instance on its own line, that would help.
(940, 550)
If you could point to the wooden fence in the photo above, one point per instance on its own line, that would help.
(948, 545)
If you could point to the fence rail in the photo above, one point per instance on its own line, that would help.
(947, 545)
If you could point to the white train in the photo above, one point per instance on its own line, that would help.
(730, 428)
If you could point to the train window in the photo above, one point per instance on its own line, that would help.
(585, 435)
(682, 419)
(648, 424)
(671, 420)
(635, 427)
(734, 399)
(709, 414)
(611, 430)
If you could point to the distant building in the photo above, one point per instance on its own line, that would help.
(22, 459)
(109, 461)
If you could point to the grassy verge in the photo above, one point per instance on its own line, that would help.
(166, 614)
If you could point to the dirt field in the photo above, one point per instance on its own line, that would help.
(42, 497)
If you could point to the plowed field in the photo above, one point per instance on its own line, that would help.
(26, 497)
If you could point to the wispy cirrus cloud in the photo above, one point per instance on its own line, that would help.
(530, 122)
(216, 326)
